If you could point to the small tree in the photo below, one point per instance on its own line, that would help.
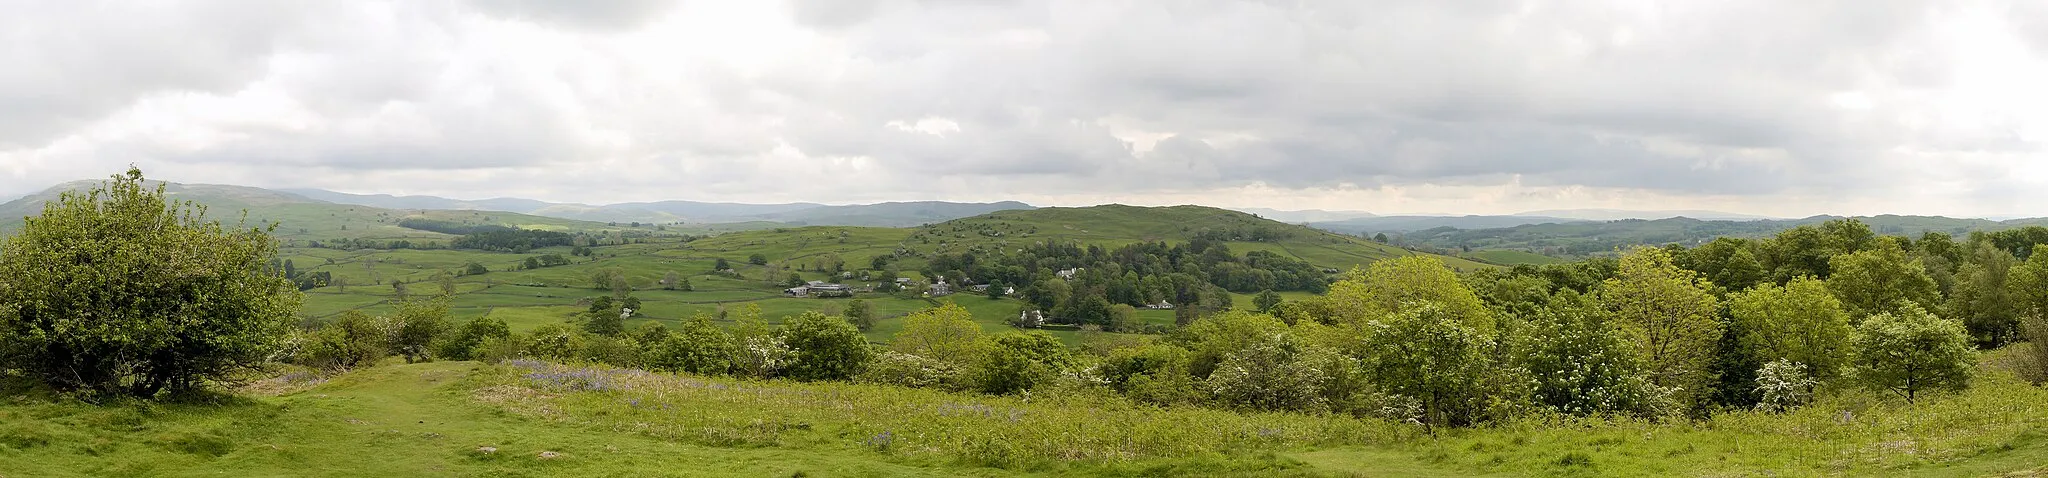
(1275, 373)
(720, 264)
(823, 347)
(794, 280)
(1016, 361)
(350, 341)
(475, 269)
(670, 280)
(946, 333)
(606, 323)
(757, 259)
(1266, 301)
(463, 344)
(861, 313)
(117, 289)
(700, 348)
(420, 324)
(1911, 351)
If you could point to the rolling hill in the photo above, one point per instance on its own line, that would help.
(888, 214)
(1579, 238)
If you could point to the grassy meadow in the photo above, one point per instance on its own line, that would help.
(523, 418)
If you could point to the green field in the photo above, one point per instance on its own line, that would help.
(438, 419)
(1512, 257)
(530, 298)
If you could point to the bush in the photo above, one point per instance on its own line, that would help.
(117, 290)
(466, 342)
(554, 342)
(350, 341)
(614, 351)
(1155, 374)
(1018, 361)
(1783, 385)
(824, 347)
(420, 324)
(1277, 373)
(901, 369)
(701, 348)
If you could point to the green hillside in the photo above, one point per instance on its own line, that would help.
(1582, 238)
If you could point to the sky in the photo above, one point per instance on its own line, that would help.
(1472, 107)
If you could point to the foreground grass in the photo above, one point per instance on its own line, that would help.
(433, 420)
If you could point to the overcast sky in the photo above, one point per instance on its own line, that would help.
(1767, 107)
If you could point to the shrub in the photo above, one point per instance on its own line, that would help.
(419, 325)
(1277, 373)
(1156, 374)
(901, 369)
(554, 342)
(614, 351)
(823, 347)
(464, 344)
(350, 341)
(700, 348)
(117, 290)
(761, 356)
(1018, 361)
(1783, 385)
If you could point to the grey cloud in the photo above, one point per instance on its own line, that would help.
(590, 15)
(69, 63)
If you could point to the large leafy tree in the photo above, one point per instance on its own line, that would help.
(1911, 351)
(945, 333)
(1390, 285)
(1801, 322)
(117, 289)
(1981, 298)
(1879, 280)
(1670, 314)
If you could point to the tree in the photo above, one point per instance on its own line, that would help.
(605, 321)
(1276, 372)
(670, 279)
(685, 285)
(420, 325)
(1982, 299)
(1800, 322)
(1389, 285)
(701, 347)
(861, 313)
(1433, 359)
(531, 263)
(463, 344)
(447, 283)
(1211, 339)
(1879, 280)
(1380, 238)
(757, 259)
(794, 280)
(946, 333)
(995, 289)
(823, 347)
(1670, 315)
(720, 265)
(1266, 301)
(398, 291)
(1911, 351)
(475, 269)
(119, 290)
(1581, 364)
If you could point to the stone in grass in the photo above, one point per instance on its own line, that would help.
(486, 449)
(549, 455)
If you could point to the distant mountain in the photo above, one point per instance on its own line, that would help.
(889, 214)
(421, 202)
(1620, 214)
(892, 214)
(1398, 224)
(1310, 215)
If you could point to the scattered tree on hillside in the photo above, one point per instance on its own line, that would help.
(1879, 280)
